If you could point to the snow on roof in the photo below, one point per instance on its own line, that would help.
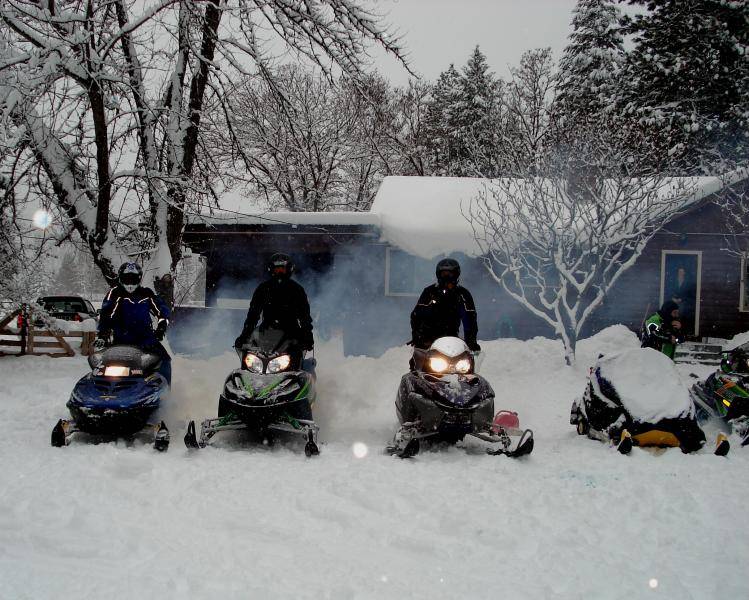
(425, 216)
(289, 218)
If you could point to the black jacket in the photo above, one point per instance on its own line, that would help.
(439, 312)
(283, 304)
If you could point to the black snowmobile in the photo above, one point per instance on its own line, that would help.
(269, 394)
(635, 398)
(117, 398)
(443, 399)
(724, 395)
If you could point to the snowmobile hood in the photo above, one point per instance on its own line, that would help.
(646, 382)
(253, 389)
(118, 394)
(460, 391)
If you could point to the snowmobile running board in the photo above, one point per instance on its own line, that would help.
(211, 427)
(65, 428)
(522, 448)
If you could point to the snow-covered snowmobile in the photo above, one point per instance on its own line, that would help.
(635, 398)
(270, 393)
(443, 399)
(117, 398)
(724, 395)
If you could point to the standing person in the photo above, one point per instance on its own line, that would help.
(126, 317)
(683, 292)
(662, 330)
(282, 303)
(442, 307)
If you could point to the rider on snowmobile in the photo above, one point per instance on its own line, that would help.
(282, 303)
(442, 307)
(126, 316)
(661, 331)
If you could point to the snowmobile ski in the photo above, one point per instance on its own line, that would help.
(63, 431)
(211, 427)
(722, 445)
(161, 439)
(625, 442)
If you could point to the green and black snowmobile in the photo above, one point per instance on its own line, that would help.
(270, 394)
(724, 395)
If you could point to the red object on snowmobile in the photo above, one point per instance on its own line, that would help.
(505, 419)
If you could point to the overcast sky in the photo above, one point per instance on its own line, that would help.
(439, 32)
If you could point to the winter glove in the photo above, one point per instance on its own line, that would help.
(239, 342)
(473, 346)
(161, 329)
(99, 344)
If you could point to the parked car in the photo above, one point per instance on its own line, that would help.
(68, 308)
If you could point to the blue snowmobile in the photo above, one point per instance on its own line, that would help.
(117, 397)
(270, 393)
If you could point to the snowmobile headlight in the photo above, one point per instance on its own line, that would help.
(280, 363)
(116, 371)
(463, 366)
(437, 364)
(253, 363)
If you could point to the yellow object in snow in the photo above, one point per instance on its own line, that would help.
(656, 437)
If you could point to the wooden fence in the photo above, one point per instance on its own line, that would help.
(41, 342)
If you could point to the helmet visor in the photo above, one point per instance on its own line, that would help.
(130, 279)
(447, 276)
(279, 269)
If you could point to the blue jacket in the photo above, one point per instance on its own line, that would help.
(128, 316)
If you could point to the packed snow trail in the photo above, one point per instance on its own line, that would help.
(573, 520)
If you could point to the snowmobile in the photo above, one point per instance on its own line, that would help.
(270, 393)
(117, 398)
(635, 398)
(443, 399)
(724, 395)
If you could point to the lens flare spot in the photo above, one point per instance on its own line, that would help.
(653, 583)
(384, 579)
(42, 219)
(360, 449)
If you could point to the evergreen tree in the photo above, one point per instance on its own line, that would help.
(441, 122)
(476, 117)
(590, 68)
(690, 76)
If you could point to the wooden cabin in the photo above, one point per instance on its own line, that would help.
(364, 271)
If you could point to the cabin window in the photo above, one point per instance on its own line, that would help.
(406, 274)
(744, 296)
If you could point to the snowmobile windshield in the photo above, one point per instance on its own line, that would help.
(270, 341)
(136, 360)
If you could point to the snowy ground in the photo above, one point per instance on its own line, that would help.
(573, 520)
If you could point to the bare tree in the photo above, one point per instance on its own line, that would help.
(558, 246)
(105, 102)
(734, 201)
(527, 114)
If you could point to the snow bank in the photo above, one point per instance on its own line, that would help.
(738, 340)
(648, 384)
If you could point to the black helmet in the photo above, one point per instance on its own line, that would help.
(280, 266)
(130, 275)
(668, 307)
(447, 271)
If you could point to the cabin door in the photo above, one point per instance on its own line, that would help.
(681, 279)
